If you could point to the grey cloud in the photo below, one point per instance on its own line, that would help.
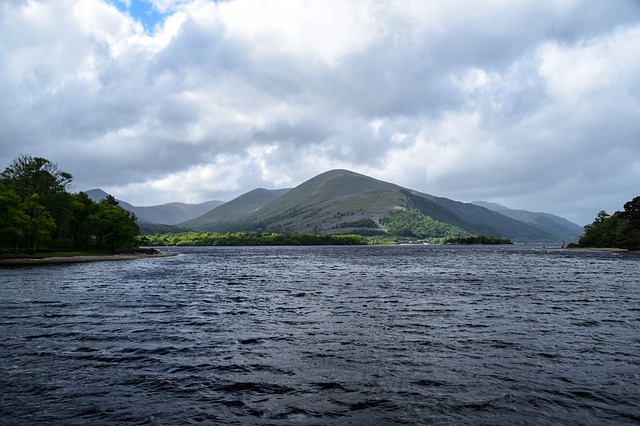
(198, 50)
(206, 95)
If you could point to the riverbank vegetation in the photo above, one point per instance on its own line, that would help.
(619, 230)
(273, 239)
(249, 239)
(478, 240)
(39, 214)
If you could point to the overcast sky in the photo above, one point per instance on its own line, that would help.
(532, 104)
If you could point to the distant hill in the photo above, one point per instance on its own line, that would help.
(561, 228)
(98, 195)
(238, 207)
(341, 200)
(168, 214)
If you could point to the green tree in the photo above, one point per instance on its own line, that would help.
(413, 223)
(631, 218)
(84, 225)
(13, 219)
(35, 204)
(36, 175)
(39, 223)
(117, 228)
(621, 230)
(36, 180)
(598, 233)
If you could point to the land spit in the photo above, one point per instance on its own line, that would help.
(81, 259)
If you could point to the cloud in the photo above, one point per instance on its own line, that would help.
(530, 104)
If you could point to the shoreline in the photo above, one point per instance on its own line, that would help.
(604, 250)
(54, 260)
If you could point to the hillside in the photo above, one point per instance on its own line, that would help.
(169, 214)
(234, 209)
(560, 227)
(341, 201)
(318, 205)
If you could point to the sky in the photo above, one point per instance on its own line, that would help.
(531, 104)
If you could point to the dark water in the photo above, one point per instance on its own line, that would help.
(325, 335)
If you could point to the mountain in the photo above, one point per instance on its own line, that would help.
(232, 210)
(98, 194)
(174, 213)
(169, 214)
(340, 200)
(560, 227)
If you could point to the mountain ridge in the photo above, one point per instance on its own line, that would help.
(329, 202)
(341, 201)
(563, 228)
(239, 206)
(166, 214)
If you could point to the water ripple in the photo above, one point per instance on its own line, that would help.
(324, 335)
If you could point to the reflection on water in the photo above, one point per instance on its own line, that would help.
(324, 335)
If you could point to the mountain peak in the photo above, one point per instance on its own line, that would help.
(96, 194)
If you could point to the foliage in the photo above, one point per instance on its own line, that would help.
(147, 228)
(382, 240)
(620, 230)
(117, 227)
(365, 222)
(13, 218)
(248, 239)
(414, 224)
(478, 240)
(35, 175)
(367, 232)
(39, 223)
(36, 208)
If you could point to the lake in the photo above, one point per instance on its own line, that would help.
(325, 335)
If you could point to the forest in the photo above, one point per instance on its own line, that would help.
(619, 230)
(37, 212)
(414, 224)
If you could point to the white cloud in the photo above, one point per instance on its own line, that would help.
(325, 31)
(195, 184)
(531, 104)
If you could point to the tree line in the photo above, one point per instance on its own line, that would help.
(37, 210)
(249, 239)
(619, 230)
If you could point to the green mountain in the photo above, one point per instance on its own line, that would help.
(237, 208)
(341, 201)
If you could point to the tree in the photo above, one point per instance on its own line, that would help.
(85, 223)
(35, 204)
(36, 175)
(117, 227)
(42, 188)
(39, 223)
(111, 200)
(631, 218)
(600, 232)
(13, 219)
(621, 230)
